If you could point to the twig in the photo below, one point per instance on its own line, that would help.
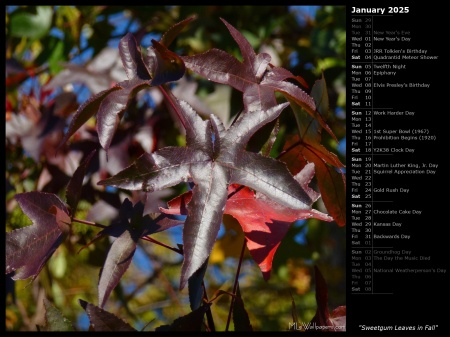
(235, 284)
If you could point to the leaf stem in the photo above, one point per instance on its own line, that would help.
(148, 238)
(209, 317)
(169, 96)
(236, 118)
(289, 148)
(236, 284)
(90, 223)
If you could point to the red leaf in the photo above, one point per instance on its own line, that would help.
(264, 222)
(330, 178)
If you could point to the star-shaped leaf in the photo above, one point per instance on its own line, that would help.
(160, 66)
(255, 77)
(29, 248)
(213, 159)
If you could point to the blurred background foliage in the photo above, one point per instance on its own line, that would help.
(57, 57)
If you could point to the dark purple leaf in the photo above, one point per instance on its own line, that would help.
(73, 190)
(132, 225)
(240, 316)
(221, 67)
(190, 322)
(175, 30)
(29, 248)
(117, 262)
(195, 285)
(163, 66)
(166, 167)
(101, 320)
(86, 111)
(254, 77)
(336, 322)
(132, 60)
(281, 74)
(113, 106)
(213, 159)
(257, 63)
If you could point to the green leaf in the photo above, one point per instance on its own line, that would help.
(54, 320)
(33, 26)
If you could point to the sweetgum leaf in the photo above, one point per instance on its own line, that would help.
(117, 262)
(175, 30)
(330, 177)
(102, 320)
(132, 60)
(332, 187)
(113, 106)
(29, 248)
(195, 286)
(265, 224)
(73, 190)
(309, 129)
(190, 322)
(131, 227)
(240, 316)
(168, 66)
(213, 159)
(86, 111)
(255, 77)
(160, 66)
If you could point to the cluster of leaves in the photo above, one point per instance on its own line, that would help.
(228, 170)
